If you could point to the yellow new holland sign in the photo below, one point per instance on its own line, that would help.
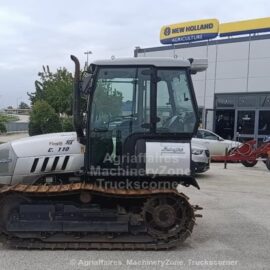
(189, 31)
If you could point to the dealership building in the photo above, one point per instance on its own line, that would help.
(234, 93)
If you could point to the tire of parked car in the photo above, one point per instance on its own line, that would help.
(249, 163)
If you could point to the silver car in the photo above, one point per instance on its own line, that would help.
(200, 158)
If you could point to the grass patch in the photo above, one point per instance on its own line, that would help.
(8, 118)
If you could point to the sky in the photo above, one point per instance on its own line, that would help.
(35, 33)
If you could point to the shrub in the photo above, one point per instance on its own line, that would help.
(44, 119)
(2, 127)
(67, 124)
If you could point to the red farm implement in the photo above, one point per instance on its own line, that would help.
(248, 154)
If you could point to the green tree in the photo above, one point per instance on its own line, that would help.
(54, 88)
(23, 105)
(43, 119)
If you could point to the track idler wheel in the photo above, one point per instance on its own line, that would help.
(168, 216)
(8, 206)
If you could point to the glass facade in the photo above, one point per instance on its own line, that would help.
(242, 116)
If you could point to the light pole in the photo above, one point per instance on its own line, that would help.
(87, 55)
(18, 98)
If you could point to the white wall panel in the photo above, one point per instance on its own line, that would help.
(212, 53)
(259, 67)
(210, 84)
(259, 84)
(192, 52)
(260, 48)
(211, 70)
(209, 102)
(230, 85)
(233, 51)
(232, 69)
(199, 87)
(166, 53)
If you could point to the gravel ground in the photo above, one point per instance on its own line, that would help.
(234, 232)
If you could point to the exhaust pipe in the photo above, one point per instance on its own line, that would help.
(77, 117)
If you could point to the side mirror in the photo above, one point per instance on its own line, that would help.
(220, 139)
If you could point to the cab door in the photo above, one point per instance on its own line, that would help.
(120, 108)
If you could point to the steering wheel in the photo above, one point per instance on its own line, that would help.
(173, 123)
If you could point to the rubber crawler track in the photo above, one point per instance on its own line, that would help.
(58, 190)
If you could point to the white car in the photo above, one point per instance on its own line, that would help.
(200, 158)
(216, 144)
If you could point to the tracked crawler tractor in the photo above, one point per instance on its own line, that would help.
(112, 184)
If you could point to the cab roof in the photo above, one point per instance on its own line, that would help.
(148, 61)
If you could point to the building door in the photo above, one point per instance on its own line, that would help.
(246, 125)
(224, 123)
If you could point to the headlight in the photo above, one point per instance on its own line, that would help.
(7, 159)
(197, 151)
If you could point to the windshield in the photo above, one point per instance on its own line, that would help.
(175, 108)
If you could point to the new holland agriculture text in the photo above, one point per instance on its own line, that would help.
(189, 31)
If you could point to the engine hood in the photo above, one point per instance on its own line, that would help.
(233, 144)
(198, 146)
(47, 144)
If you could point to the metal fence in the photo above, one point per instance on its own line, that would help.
(13, 127)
